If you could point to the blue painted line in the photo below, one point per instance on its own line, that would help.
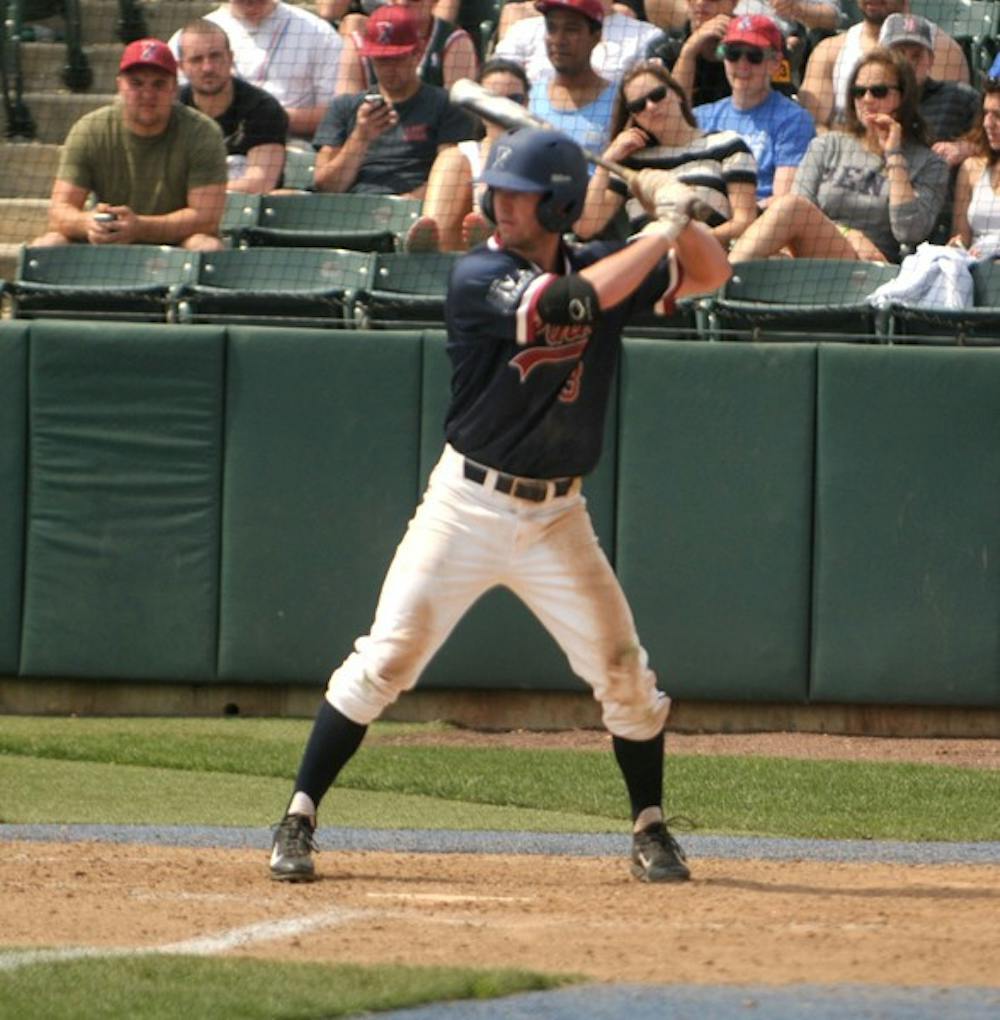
(559, 844)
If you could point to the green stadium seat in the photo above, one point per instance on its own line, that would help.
(274, 286)
(407, 288)
(684, 324)
(480, 19)
(299, 168)
(971, 23)
(357, 222)
(136, 282)
(241, 212)
(798, 299)
(978, 326)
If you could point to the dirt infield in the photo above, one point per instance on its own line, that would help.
(736, 922)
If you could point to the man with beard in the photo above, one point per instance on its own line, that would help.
(253, 123)
(824, 86)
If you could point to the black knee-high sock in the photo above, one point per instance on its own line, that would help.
(641, 762)
(331, 745)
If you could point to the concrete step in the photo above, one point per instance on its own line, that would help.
(8, 261)
(22, 219)
(42, 66)
(54, 114)
(27, 169)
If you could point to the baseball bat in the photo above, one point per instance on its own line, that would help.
(500, 110)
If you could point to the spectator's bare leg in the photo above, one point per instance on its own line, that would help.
(49, 240)
(794, 223)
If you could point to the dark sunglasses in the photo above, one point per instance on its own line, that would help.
(638, 105)
(877, 91)
(734, 53)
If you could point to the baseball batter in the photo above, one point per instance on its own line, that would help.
(534, 332)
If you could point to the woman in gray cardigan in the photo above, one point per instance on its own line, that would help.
(860, 192)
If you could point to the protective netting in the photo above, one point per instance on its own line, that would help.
(843, 153)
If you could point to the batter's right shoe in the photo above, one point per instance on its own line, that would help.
(657, 857)
(292, 850)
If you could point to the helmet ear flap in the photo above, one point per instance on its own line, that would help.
(486, 205)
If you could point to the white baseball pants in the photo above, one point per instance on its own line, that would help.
(466, 538)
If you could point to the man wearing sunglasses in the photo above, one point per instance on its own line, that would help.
(692, 56)
(777, 129)
(824, 85)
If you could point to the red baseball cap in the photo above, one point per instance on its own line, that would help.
(390, 31)
(755, 30)
(592, 9)
(148, 53)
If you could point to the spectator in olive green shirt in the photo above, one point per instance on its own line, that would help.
(156, 168)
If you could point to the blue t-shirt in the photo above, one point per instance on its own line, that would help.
(778, 132)
(589, 126)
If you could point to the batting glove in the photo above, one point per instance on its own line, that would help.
(666, 199)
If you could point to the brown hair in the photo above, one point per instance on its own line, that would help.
(620, 116)
(977, 133)
(202, 26)
(907, 113)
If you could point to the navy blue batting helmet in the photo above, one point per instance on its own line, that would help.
(542, 161)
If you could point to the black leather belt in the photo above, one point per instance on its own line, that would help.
(522, 488)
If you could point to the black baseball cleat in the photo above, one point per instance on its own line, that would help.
(656, 856)
(292, 850)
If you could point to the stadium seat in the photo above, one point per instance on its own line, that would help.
(684, 324)
(299, 168)
(970, 327)
(480, 19)
(798, 299)
(86, 281)
(276, 286)
(357, 222)
(241, 211)
(406, 288)
(971, 23)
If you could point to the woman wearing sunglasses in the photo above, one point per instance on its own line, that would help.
(976, 212)
(862, 191)
(653, 127)
(450, 218)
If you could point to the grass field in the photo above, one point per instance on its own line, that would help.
(238, 772)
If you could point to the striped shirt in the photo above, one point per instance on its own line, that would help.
(708, 164)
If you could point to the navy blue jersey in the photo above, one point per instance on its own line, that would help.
(529, 397)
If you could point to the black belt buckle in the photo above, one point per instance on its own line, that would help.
(522, 488)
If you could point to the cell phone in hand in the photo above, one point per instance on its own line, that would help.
(375, 99)
(104, 217)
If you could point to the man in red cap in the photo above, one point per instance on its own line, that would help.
(777, 130)
(622, 39)
(384, 143)
(157, 169)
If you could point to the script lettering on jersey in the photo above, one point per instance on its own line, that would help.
(558, 345)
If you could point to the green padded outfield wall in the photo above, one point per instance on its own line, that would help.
(908, 526)
(13, 394)
(121, 574)
(499, 643)
(715, 514)
(321, 476)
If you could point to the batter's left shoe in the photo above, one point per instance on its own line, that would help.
(657, 857)
(292, 850)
